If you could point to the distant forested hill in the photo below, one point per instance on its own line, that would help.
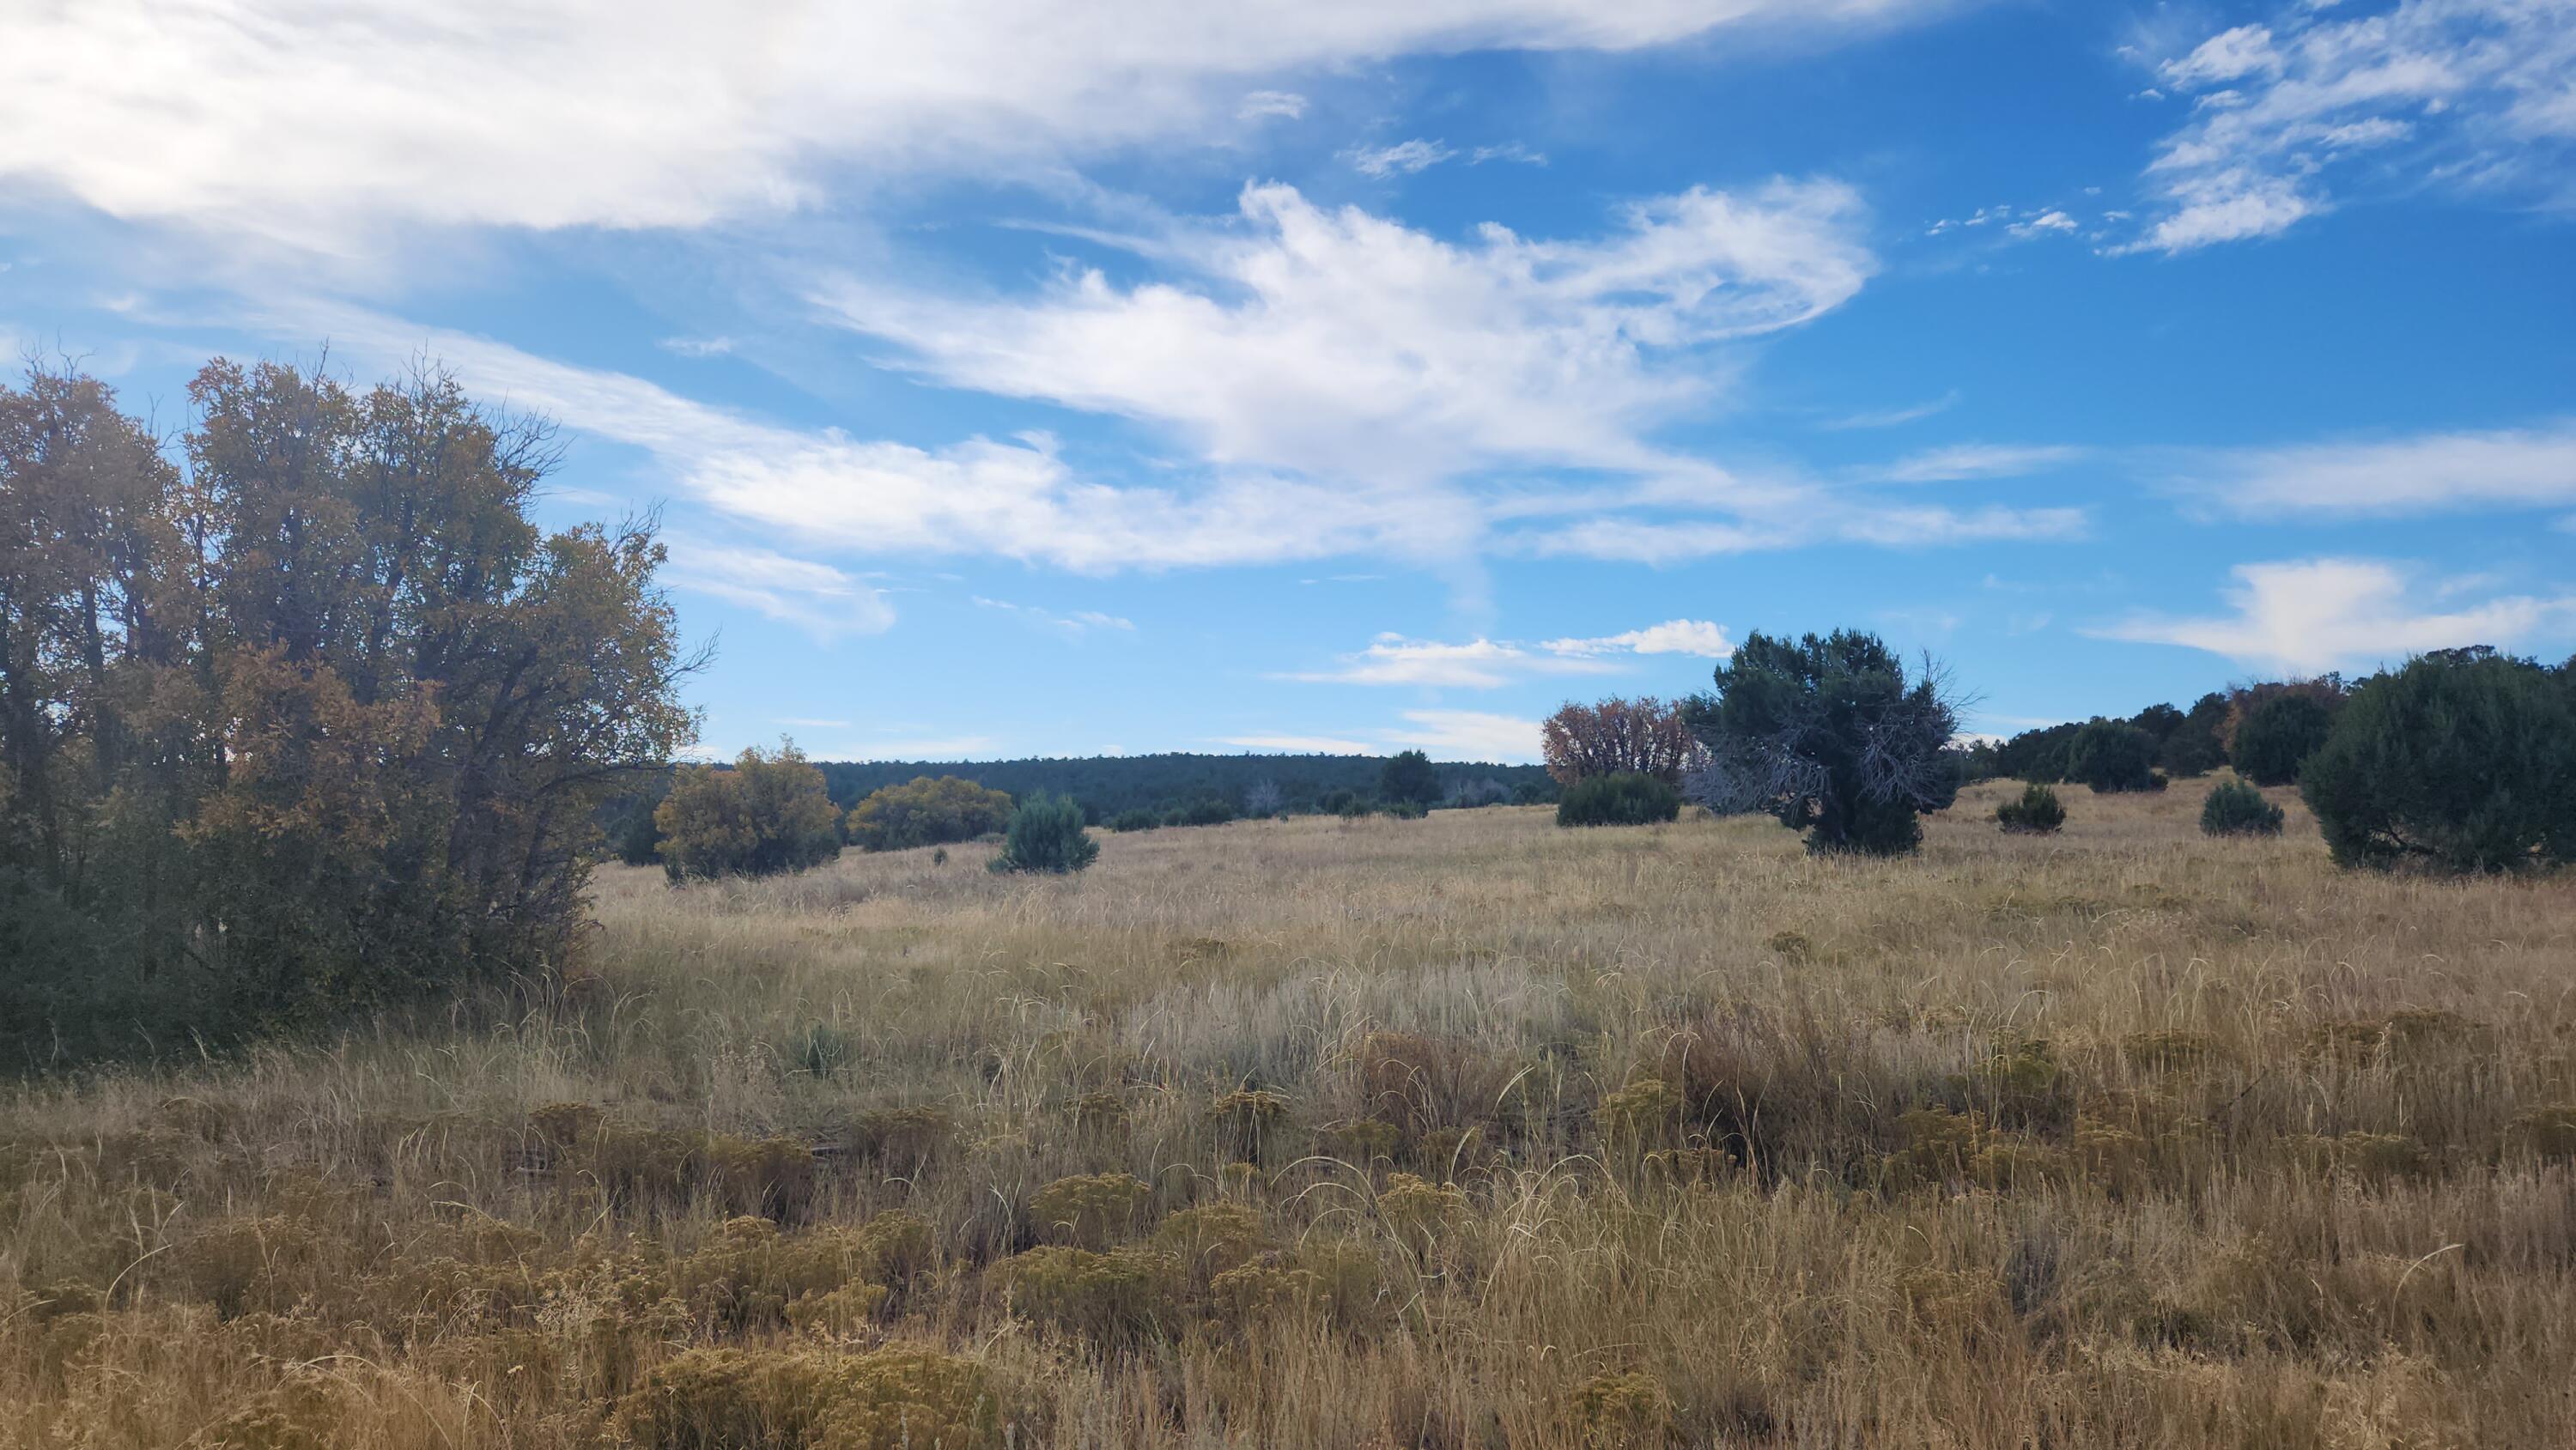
(1109, 784)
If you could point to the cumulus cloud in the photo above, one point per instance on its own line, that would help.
(2308, 616)
(296, 119)
(2473, 93)
(2521, 468)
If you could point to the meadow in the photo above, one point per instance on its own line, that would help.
(1463, 1131)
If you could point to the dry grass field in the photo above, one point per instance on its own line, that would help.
(1457, 1132)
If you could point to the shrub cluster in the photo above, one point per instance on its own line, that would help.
(1625, 798)
(2037, 812)
(766, 814)
(927, 811)
(2237, 809)
(2111, 756)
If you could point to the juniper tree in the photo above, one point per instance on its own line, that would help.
(1828, 735)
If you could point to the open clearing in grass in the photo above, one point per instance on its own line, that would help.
(1466, 1131)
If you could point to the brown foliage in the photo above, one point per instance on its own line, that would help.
(1644, 735)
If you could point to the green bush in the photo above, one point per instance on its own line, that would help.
(1046, 834)
(1208, 811)
(1134, 820)
(2278, 735)
(2462, 761)
(2111, 756)
(1627, 798)
(927, 812)
(2237, 809)
(2036, 813)
(766, 814)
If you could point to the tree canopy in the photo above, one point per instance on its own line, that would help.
(1827, 734)
(317, 719)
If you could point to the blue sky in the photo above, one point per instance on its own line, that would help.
(1030, 379)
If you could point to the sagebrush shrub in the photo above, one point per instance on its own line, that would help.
(2036, 813)
(2237, 809)
(1046, 834)
(1628, 798)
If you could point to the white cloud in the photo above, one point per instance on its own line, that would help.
(698, 346)
(2308, 616)
(1405, 157)
(1469, 735)
(1512, 151)
(1257, 104)
(1973, 460)
(817, 598)
(1021, 499)
(2226, 56)
(1673, 637)
(2485, 89)
(1335, 342)
(1480, 664)
(2043, 224)
(1897, 417)
(299, 120)
(2429, 473)
(1080, 622)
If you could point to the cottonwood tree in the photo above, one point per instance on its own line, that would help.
(1642, 736)
(317, 720)
(1828, 735)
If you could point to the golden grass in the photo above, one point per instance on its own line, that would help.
(1458, 1132)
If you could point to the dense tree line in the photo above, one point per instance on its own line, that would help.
(1111, 785)
(303, 715)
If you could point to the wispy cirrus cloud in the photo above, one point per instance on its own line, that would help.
(1962, 461)
(2310, 615)
(823, 601)
(1079, 622)
(2427, 473)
